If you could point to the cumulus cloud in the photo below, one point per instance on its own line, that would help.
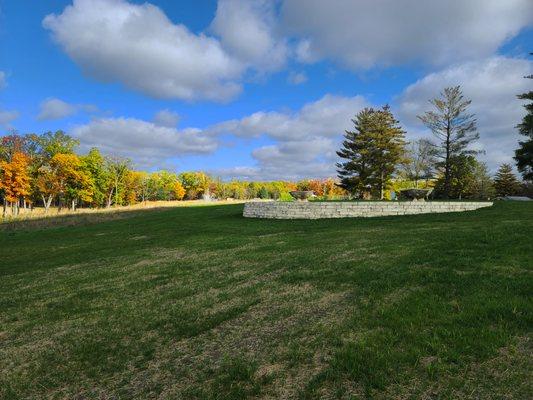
(53, 108)
(248, 30)
(114, 40)
(363, 34)
(166, 118)
(6, 117)
(146, 143)
(326, 117)
(297, 78)
(492, 84)
(306, 140)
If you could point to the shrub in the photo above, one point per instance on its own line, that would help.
(285, 196)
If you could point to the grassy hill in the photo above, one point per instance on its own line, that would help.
(198, 302)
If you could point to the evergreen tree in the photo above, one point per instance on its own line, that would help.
(454, 128)
(524, 154)
(388, 147)
(505, 182)
(372, 151)
(355, 172)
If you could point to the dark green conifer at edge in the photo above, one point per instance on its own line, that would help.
(524, 153)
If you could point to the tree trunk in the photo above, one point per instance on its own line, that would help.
(116, 191)
(46, 202)
(109, 199)
(447, 166)
(381, 187)
(4, 211)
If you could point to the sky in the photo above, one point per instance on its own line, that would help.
(256, 89)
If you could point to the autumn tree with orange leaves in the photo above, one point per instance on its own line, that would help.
(15, 181)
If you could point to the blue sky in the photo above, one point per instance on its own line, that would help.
(255, 89)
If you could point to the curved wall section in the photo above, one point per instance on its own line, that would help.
(316, 210)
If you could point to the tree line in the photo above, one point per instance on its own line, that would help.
(376, 161)
(375, 154)
(45, 170)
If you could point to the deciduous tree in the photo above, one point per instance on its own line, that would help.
(482, 186)
(195, 184)
(94, 165)
(420, 161)
(15, 180)
(117, 169)
(179, 190)
(64, 178)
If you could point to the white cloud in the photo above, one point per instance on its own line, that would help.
(305, 141)
(53, 108)
(6, 117)
(146, 143)
(362, 34)
(166, 118)
(326, 117)
(113, 40)
(297, 78)
(248, 30)
(492, 85)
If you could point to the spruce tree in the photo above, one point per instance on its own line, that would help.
(524, 154)
(454, 128)
(388, 147)
(505, 182)
(356, 172)
(372, 151)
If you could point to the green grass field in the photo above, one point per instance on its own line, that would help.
(198, 302)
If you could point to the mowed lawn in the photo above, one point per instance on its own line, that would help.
(198, 302)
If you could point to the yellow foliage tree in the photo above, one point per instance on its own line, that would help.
(179, 190)
(65, 178)
(14, 179)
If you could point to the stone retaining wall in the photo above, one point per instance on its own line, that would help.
(315, 210)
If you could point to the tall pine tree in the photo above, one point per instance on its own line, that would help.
(372, 151)
(505, 181)
(454, 128)
(524, 154)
